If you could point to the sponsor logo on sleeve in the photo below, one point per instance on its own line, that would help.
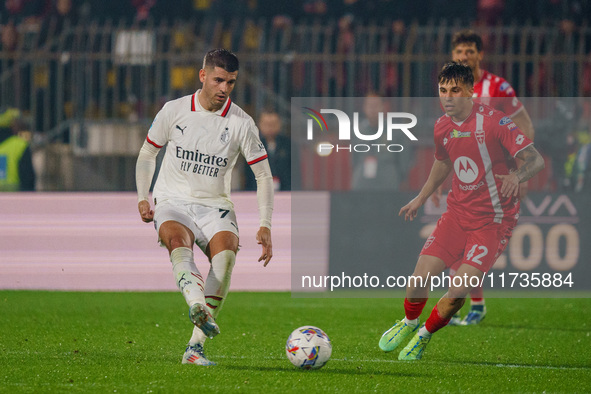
(512, 126)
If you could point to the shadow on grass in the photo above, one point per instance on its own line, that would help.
(516, 365)
(327, 371)
(529, 327)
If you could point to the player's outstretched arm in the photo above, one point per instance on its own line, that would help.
(144, 172)
(533, 162)
(439, 172)
(264, 178)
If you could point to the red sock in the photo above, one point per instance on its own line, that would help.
(477, 294)
(412, 310)
(435, 321)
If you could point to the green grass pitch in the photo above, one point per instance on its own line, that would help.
(133, 342)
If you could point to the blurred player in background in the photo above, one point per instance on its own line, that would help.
(493, 90)
(379, 170)
(16, 159)
(204, 132)
(278, 147)
(482, 207)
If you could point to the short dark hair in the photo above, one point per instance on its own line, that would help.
(456, 72)
(466, 37)
(221, 58)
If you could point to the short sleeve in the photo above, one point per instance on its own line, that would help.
(510, 136)
(440, 151)
(505, 99)
(251, 146)
(159, 130)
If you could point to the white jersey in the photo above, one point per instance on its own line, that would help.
(202, 149)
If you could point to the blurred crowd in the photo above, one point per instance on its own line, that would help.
(33, 13)
(49, 93)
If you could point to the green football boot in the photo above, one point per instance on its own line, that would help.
(415, 348)
(395, 335)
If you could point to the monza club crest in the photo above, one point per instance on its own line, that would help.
(429, 242)
(479, 136)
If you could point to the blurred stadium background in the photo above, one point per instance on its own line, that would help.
(89, 76)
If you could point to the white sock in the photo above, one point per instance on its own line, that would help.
(216, 288)
(412, 323)
(197, 337)
(423, 332)
(187, 276)
(218, 280)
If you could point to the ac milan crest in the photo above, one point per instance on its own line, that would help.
(225, 137)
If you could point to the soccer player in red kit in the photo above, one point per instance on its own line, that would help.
(467, 48)
(477, 143)
(492, 89)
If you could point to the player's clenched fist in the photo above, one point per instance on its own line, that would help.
(146, 212)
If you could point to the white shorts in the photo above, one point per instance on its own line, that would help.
(203, 221)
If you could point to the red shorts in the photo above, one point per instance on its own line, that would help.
(480, 248)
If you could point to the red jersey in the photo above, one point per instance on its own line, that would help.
(481, 146)
(493, 86)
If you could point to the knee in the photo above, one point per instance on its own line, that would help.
(174, 235)
(458, 293)
(178, 242)
(418, 280)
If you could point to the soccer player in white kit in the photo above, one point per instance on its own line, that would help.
(204, 133)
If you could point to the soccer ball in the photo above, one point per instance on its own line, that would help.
(308, 347)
